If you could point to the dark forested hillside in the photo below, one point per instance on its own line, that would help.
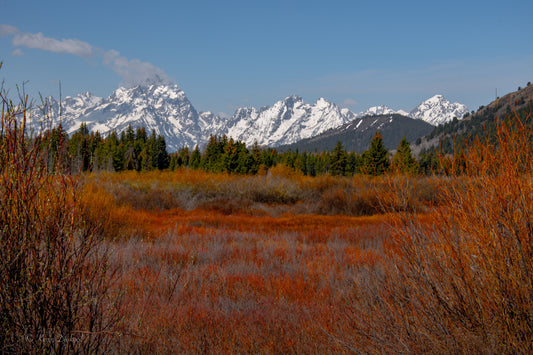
(457, 133)
(355, 136)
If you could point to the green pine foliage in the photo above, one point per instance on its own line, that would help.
(134, 149)
(338, 160)
(232, 156)
(89, 151)
(403, 161)
(376, 159)
(456, 135)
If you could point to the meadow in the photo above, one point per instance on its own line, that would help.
(188, 261)
(223, 263)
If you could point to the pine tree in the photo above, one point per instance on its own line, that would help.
(195, 158)
(117, 152)
(212, 159)
(375, 159)
(57, 141)
(77, 150)
(301, 163)
(403, 161)
(429, 161)
(130, 158)
(311, 164)
(145, 159)
(244, 160)
(140, 135)
(183, 157)
(230, 156)
(338, 160)
(129, 135)
(162, 157)
(84, 131)
(353, 163)
(256, 158)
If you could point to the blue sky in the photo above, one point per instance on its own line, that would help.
(229, 54)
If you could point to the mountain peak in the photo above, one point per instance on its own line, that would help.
(287, 121)
(291, 100)
(377, 111)
(162, 107)
(322, 102)
(437, 110)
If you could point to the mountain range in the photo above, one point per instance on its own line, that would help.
(166, 109)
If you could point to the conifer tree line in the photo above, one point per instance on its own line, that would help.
(90, 151)
(227, 155)
(134, 149)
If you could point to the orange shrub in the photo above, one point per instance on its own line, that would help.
(461, 280)
(55, 280)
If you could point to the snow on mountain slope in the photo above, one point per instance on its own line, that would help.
(162, 108)
(165, 109)
(437, 110)
(285, 122)
(373, 111)
(376, 110)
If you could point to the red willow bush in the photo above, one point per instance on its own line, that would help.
(461, 281)
(54, 279)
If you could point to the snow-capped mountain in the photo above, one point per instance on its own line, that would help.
(437, 110)
(163, 108)
(291, 119)
(372, 111)
(285, 122)
(380, 110)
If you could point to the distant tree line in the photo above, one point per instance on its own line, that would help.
(90, 151)
(224, 154)
(134, 149)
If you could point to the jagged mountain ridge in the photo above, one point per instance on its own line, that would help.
(287, 121)
(379, 111)
(163, 108)
(437, 110)
(166, 109)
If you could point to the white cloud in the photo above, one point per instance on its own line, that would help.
(7, 30)
(349, 102)
(133, 71)
(67, 46)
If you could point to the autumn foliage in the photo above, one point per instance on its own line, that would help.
(55, 294)
(189, 261)
(459, 279)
